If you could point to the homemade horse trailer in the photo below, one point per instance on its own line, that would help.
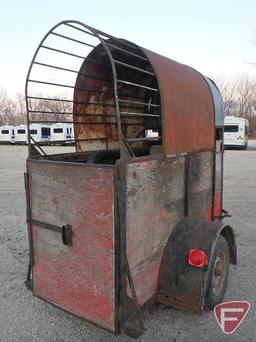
(126, 220)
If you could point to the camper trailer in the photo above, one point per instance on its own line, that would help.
(7, 135)
(21, 134)
(39, 133)
(236, 132)
(62, 133)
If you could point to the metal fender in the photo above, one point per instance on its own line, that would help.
(180, 284)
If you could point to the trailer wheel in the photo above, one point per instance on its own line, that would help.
(218, 274)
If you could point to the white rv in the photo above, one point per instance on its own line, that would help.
(62, 133)
(7, 134)
(236, 132)
(40, 133)
(151, 133)
(21, 134)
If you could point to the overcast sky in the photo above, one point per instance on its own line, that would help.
(215, 37)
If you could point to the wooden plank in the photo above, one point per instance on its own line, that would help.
(80, 278)
(154, 204)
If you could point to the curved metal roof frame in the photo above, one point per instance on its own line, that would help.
(190, 103)
(126, 151)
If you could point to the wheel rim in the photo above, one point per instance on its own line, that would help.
(219, 271)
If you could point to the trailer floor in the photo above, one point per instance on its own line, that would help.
(25, 318)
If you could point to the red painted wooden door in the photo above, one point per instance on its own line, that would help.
(79, 278)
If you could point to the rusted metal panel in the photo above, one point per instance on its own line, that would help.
(79, 278)
(96, 106)
(187, 106)
(154, 204)
(200, 184)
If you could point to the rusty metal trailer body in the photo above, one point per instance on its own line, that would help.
(112, 225)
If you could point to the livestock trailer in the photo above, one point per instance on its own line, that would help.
(7, 134)
(126, 220)
(21, 134)
(236, 132)
(62, 133)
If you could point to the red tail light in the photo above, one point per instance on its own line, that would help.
(197, 258)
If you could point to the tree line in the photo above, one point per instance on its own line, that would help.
(239, 98)
(13, 110)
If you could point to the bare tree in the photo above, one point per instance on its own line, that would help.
(246, 97)
(228, 90)
(55, 109)
(21, 108)
(3, 103)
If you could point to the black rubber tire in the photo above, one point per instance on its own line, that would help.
(211, 297)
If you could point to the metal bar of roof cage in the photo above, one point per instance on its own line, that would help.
(45, 143)
(73, 87)
(144, 139)
(134, 67)
(120, 41)
(85, 123)
(66, 100)
(139, 114)
(48, 112)
(62, 51)
(74, 101)
(49, 121)
(139, 103)
(72, 39)
(137, 85)
(37, 144)
(126, 51)
(70, 113)
(80, 102)
(52, 99)
(91, 139)
(71, 140)
(124, 140)
(54, 142)
(71, 54)
(110, 123)
(102, 34)
(56, 67)
(71, 70)
(79, 29)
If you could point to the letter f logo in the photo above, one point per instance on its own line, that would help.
(230, 315)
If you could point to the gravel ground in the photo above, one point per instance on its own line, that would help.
(24, 318)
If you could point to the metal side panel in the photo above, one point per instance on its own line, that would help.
(78, 277)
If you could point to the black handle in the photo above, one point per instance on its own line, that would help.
(67, 235)
(66, 231)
